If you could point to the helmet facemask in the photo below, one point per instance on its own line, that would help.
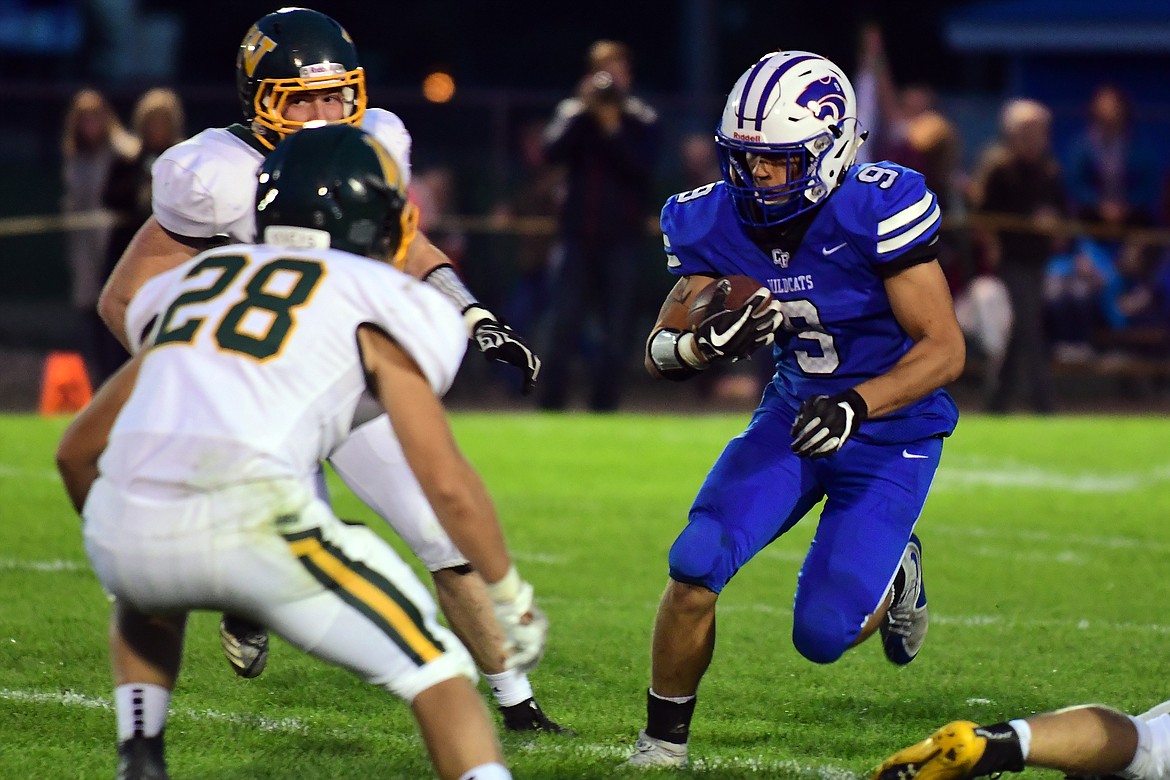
(764, 206)
(273, 96)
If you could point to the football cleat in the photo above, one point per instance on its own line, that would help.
(950, 753)
(528, 716)
(651, 752)
(141, 758)
(906, 621)
(245, 644)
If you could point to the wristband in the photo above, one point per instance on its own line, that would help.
(507, 588)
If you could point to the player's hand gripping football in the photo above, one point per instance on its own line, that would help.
(824, 423)
(497, 341)
(525, 625)
(732, 334)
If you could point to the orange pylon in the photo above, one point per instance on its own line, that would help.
(65, 386)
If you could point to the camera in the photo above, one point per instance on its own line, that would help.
(604, 87)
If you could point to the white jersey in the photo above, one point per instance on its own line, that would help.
(206, 185)
(253, 371)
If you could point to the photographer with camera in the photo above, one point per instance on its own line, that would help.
(607, 139)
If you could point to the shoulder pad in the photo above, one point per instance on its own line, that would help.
(390, 131)
(205, 185)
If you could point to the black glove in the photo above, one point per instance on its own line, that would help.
(825, 423)
(736, 333)
(497, 341)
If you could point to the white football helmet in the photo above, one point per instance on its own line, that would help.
(798, 107)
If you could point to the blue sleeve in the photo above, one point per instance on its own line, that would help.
(902, 217)
(683, 227)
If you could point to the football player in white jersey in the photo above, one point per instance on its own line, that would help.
(296, 66)
(194, 466)
(1090, 741)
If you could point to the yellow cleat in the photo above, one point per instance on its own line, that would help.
(948, 754)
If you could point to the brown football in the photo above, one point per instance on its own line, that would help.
(726, 292)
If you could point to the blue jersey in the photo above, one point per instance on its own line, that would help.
(839, 329)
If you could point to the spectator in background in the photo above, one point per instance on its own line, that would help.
(1022, 180)
(1112, 173)
(536, 196)
(607, 140)
(433, 191)
(158, 125)
(91, 140)
(1081, 287)
(884, 110)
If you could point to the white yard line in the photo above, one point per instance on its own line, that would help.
(297, 726)
(18, 472)
(16, 564)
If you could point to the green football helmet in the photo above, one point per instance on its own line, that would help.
(290, 51)
(334, 185)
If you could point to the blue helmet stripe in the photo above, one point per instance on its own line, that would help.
(747, 86)
(775, 79)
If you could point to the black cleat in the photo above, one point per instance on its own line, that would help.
(141, 758)
(245, 645)
(527, 716)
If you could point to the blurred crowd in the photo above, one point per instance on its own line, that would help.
(105, 166)
(1054, 255)
(1050, 252)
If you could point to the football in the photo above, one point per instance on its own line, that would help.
(727, 292)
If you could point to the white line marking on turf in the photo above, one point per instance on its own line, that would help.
(1023, 476)
(13, 564)
(617, 753)
(542, 558)
(16, 471)
(775, 768)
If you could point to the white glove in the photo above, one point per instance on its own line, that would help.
(525, 626)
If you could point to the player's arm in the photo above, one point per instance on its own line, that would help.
(453, 487)
(86, 437)
(151, 251)
(922, 304)
(495, 339)
(670, 350)
(676, 352)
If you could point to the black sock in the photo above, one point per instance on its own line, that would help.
(668, 720)
(1003, 752)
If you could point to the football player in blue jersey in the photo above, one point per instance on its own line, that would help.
(865, 338)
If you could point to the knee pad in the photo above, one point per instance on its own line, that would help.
(701, 554)
(820, 634)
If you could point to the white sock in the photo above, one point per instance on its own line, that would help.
(1024, 732)
(141, 709)
(487, 772)
(509, 687)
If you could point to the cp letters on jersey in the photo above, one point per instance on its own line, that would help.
(839, 328)
(272, 330)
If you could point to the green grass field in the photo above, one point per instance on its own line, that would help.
(1045, 555)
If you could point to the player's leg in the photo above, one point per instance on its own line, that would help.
(755, 491)
(146, 644)
(1086, 741)
(458, 732)
(372, 464)
(145, 653)
(859, 553)
(245, 643)
(339, 592)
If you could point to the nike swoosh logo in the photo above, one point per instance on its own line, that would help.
(719, 339)
(826, 251)
(911, 455)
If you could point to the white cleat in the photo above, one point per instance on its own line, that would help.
(649, 751)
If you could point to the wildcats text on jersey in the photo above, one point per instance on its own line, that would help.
(788, 284)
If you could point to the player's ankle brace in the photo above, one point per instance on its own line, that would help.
(1003, 752)
(669, 720)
